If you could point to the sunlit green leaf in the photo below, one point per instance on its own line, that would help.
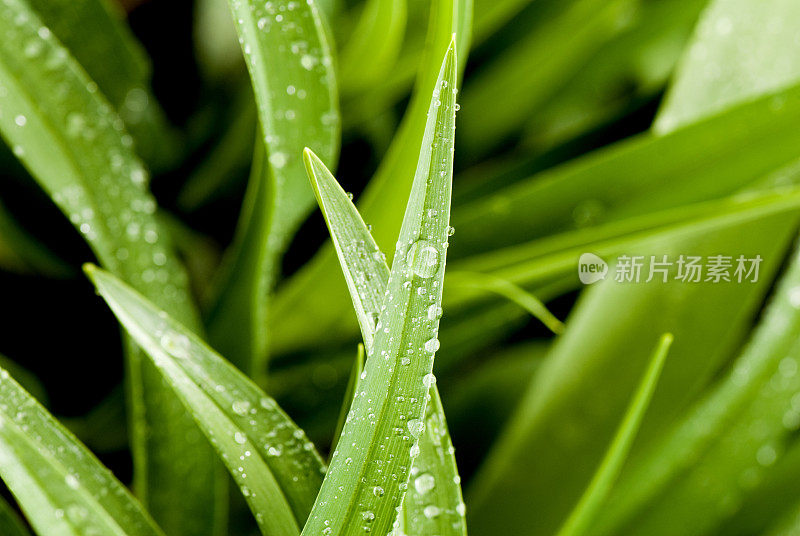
(75, 146)
(287, 50)
(374, 44)
(598, 489)
(380, 438)
(274, 464)
(382, 203)
(125, 81)
(60, 485)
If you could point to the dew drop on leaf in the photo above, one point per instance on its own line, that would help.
(175, 344)
(424, 483)
(423, 258)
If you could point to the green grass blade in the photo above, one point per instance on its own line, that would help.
(74, 145)
(269, 457)
(433, 503)
(596, 493)
(296, 304)
(374, 45)
(125, 81)
(558, 47)
(725, 418)
(724, 154)
(288, 54)
(724, 65)
(10, 523)
(510, 291)
(367, 277)
(583, 372)
(62, 488)
(363, 263)
(25, 378)
(380, 438)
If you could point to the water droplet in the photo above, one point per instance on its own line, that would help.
(794, 297)
(308, 62)
(176, 344)
(377, 491)
(278, 159)
(424, 483)
(434, 312)
(368, 516)
(21, 120)
(416, 427)
(240, 438)
(429, 380)
(431, 511)
(72, 481)
(423, 258)
(432, 345)
(241, 407)
(766, 455)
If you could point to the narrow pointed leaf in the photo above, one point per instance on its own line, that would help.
(75, 146)
(380, 440)
(433, 503)
(507, 289)
(367, 276)
(723, 65)
(296, 305)
(374, 44)
(599, 487)
(125, 81)
(275, 465)
(288, 54)
(62, 488)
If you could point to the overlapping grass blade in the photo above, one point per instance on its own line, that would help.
(374, 44)
(367, 277)
(272, 461)
(559, 46)
(598, 489)
(642, 56)
(125, 81)
(67, 135)
(288, 54)
(59, 484)
(433, 503)
(728, 30)
(583, 373)
(682, 380)
(510, 291)
(724, 65)
(380, 439)
(25, 378)
(724, 154)
(756, 390)
(296, 310)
